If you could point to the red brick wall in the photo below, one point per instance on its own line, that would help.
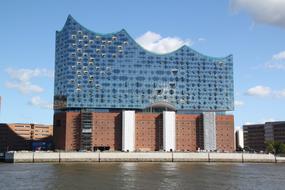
(148, 131)
(186, 127)
(67, 131)
(107, 130)
(73, 131)
(59, 123)
(225, 132)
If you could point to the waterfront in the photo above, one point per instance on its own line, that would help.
(128, 175)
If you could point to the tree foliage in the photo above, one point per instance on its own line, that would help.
(275, 147)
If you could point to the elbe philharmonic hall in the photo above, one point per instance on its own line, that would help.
(110, 93)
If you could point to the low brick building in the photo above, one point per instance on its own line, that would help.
(107, 131)
(20, 136)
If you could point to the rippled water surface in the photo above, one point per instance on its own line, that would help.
(142, 176)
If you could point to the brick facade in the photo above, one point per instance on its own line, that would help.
(186, 132)
(148, 132)
(107, 131)
(67, 131)
(225, 132)
(73, 132)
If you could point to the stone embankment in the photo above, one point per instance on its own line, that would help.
(37, 157)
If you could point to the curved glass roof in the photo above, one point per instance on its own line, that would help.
(183, 47)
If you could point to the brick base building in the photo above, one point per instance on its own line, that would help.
(24, 136)
(106, 130)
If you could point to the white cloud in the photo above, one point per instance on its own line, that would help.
(22, 79)
(264, 91)
(279, 56)
(27, 74)
(279, 94)
(259, 91)
(277, 61)
(156, 43)
(24, 87)
(201, 39)
(263, 11)
(274, 65)
(38, 102)
(239, 103)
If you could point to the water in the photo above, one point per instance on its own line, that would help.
(147, 176)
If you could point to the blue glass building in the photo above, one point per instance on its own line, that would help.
(112, 71)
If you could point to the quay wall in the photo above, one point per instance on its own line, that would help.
(37, 157)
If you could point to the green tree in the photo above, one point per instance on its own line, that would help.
(275, 147)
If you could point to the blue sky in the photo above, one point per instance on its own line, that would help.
(252, 30)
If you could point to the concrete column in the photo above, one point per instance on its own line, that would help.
(209, 128)
(169, 131)
(128, 131)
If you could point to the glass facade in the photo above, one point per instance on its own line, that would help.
(112, 71)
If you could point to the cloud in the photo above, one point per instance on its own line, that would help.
(156, 43)
(28, 74)
(38, 102)
(278, 66)
(259, 91)
(279, 56)
(25, 87)
(277, 61)
(22, 79)
(264, 91)
(239, 103)
(279, 94)
(201, 39)
(263, 11)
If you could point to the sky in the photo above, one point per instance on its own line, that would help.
(252, 30)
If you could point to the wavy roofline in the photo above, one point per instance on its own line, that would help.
(140, 46)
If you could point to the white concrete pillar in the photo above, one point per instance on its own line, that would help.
(239, 138)
(209, 126)
(128, 130)
(169, 131)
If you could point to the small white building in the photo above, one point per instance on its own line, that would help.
(239, 138)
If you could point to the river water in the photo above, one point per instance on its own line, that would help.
(148, 176)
